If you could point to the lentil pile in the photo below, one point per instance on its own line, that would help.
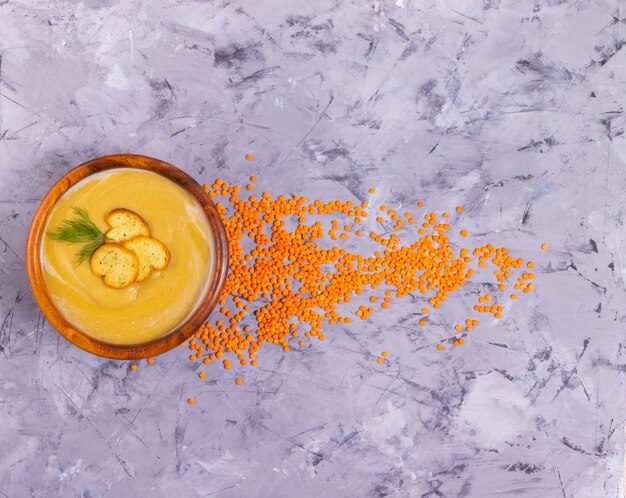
(288, 279)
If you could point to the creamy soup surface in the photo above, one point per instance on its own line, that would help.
(145, 310)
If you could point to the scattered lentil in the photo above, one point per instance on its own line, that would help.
(302, 279)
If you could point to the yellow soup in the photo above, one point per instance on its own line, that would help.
(145, 310)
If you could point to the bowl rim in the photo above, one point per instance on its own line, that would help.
(183, 330)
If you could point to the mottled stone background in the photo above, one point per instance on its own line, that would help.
(512, 108)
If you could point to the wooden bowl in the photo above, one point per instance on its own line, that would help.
(81, 339)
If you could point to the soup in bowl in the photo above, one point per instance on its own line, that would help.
(127, 256)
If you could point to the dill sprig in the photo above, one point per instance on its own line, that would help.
(80, 229)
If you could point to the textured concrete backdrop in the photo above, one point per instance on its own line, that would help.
(512, 108)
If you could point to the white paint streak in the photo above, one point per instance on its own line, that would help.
(117, 79)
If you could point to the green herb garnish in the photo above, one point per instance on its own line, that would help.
(80, 229)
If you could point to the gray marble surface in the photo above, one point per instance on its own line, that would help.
(512, 108)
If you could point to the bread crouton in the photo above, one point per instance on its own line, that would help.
(118, 265)
(125, 224)
(152, 254)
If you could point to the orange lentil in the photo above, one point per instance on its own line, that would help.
(191, 401)
(372, 191)
(133, 367)
(439, 347)
(384, 354)
(202, 375)
(464, 233)
(249, 157)
(280, 275)
(544, 247)
(150, 361)
(459, 209)
(238, 381)
(530, 264)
